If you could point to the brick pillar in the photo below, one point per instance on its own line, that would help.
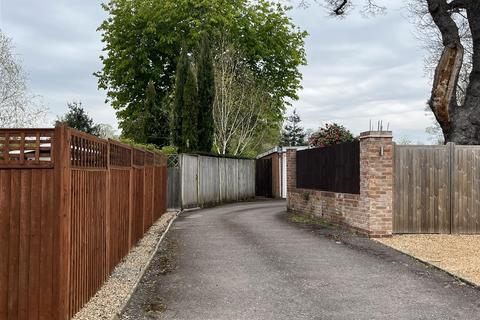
(291, 173)
(376, 181)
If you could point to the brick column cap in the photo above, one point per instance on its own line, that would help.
(376, 134)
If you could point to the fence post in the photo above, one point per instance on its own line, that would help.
(130, 209)
(61, 244)
(107, 211)
(451, 170)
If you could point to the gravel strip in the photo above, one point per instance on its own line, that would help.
(456, 254)
(110, 299)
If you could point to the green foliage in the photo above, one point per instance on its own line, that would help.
(293, 134)
(77, 118)
(146, 146)
(329, 135)
(169, 150)
(156, 126)
(206, 96)
(189, 139)
(181, 79)
(143, 40)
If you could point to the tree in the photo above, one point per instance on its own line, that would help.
(18, 108)
(77, 118)
(460, 122)
(106, 131)
(243, 112)
(206, 96)
(293, 134)
(189, 139)
(156, 128)
(181, 79)
(329, 135)
(143, 41)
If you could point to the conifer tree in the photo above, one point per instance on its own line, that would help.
(190, 113)
(156, 118)
(293, 134)
(206, 95)
(181, 78)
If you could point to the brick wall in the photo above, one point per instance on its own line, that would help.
(369, 212)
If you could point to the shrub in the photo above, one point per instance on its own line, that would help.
(329, 135)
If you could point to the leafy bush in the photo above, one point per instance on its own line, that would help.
(329, 135)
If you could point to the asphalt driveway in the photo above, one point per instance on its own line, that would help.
(247, 261)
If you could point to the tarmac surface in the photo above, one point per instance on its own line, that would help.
(248, 261)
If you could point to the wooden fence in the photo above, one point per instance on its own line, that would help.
(335, 168)
(205, 181)
(71, 207)
(437, 189)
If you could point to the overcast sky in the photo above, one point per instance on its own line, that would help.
(358, 69)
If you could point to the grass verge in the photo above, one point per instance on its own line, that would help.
(307, 219)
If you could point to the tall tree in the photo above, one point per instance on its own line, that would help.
(77, 118)
(143, 40)
(18, 107)
(293, 134)
(189, 140)
(181, 79)
(243, 109)
(156, 119)
(460, 122)
(206, 95)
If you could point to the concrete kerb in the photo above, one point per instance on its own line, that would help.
(145, 267)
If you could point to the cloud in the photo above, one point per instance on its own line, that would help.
(358, 69)
(361, 70)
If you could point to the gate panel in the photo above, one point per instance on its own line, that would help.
(466, 195)
(422, 189)
(263, 178)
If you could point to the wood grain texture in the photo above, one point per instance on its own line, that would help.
(422, 189)
(65, 222)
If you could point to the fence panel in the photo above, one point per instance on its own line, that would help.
(174, 182)
(189, 173)
(466, 191)
(89, 238)
(246, 171)
(209, 180)
(422, 189)
(160, 195)
(26, 243)
(119, 215)
(334, 168)
(229, 179)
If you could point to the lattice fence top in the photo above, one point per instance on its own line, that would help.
(138, 157)
(120, 155)
(173, 161)
(149, 158)
(34, 148)
(26, 147)
(88, 151)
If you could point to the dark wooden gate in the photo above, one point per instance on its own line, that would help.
(263, 178)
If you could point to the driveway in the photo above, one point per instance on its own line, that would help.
(248, 261)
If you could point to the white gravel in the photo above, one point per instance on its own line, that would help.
(111, 298)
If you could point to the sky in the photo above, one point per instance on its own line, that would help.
(359, 70)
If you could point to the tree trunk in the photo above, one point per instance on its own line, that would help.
(466, 118)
